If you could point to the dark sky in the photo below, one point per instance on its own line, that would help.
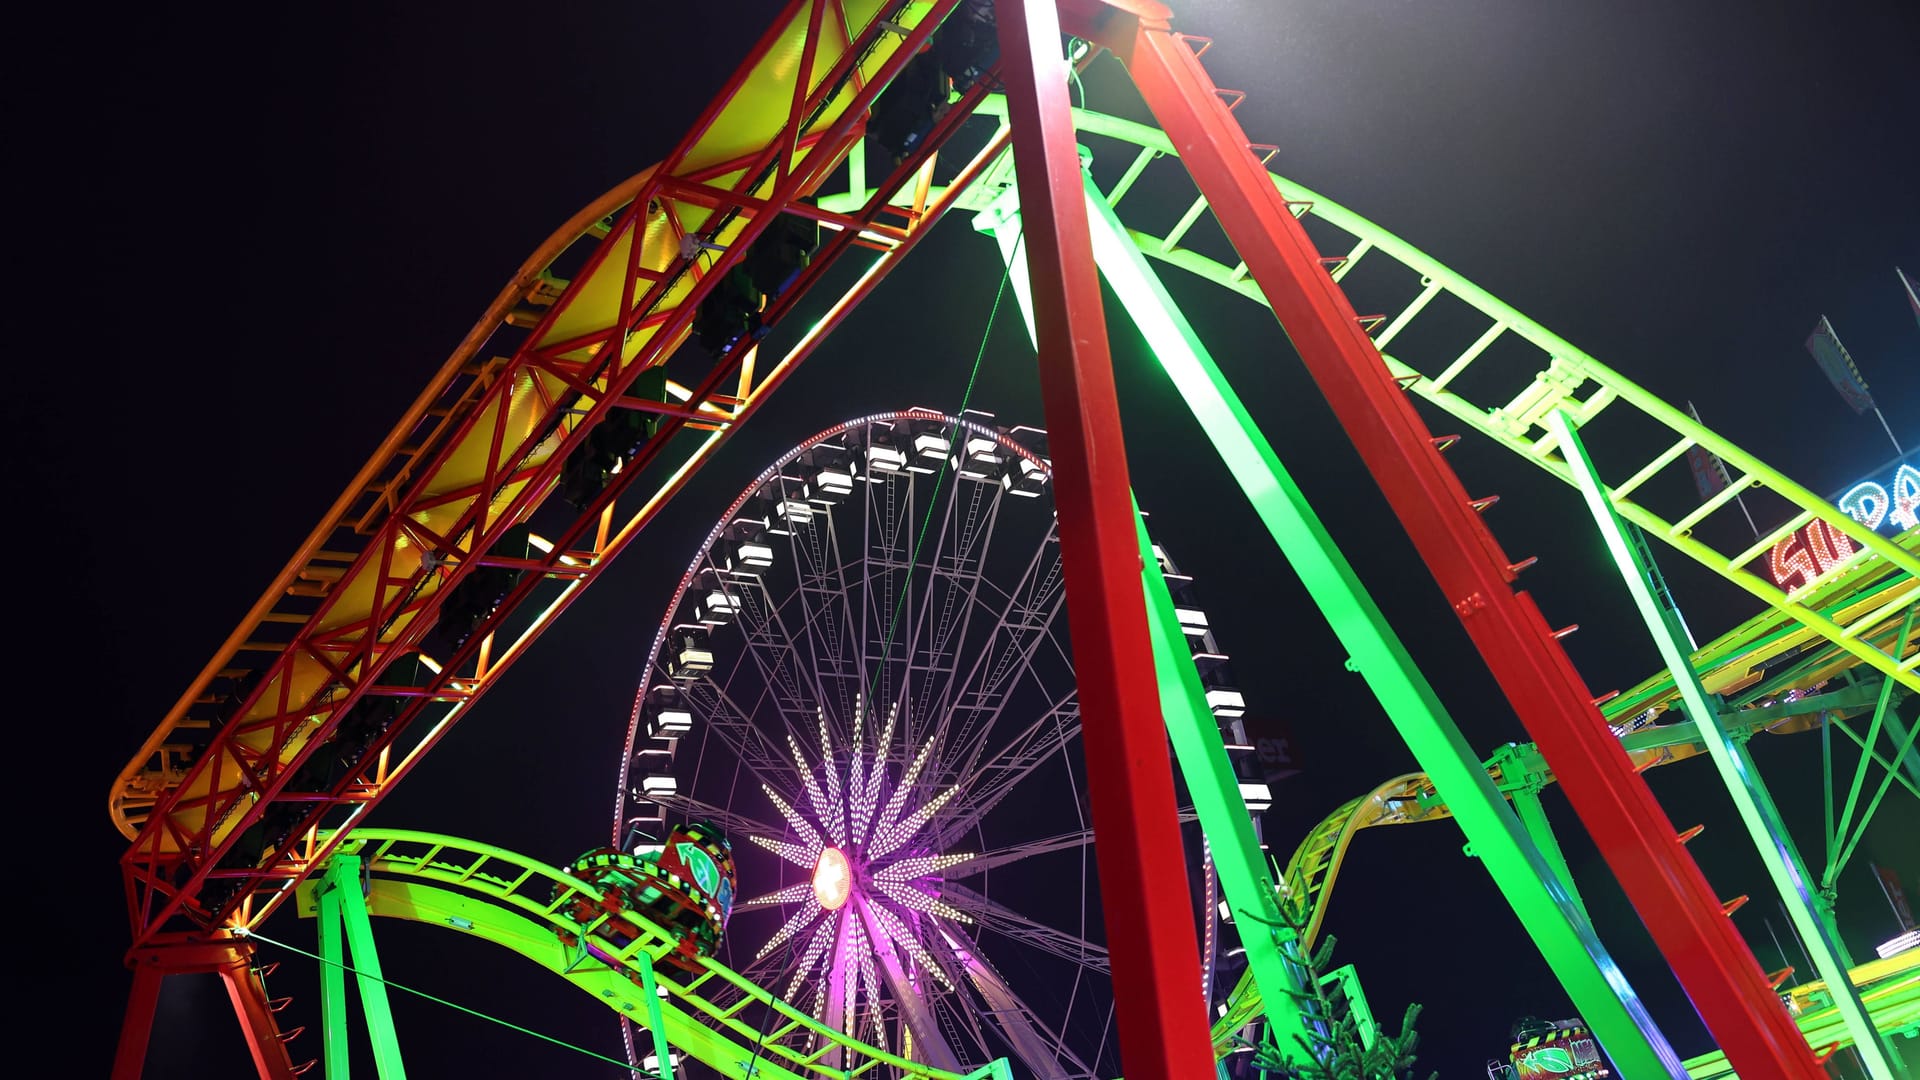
(256, 232)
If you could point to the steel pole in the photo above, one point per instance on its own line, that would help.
(1730, 758)
(1162, 1024)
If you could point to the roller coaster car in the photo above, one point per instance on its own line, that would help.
(685, 887)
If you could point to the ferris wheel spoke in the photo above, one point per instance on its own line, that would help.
(889, 502)
(1015, 927)
(1029, 611)
(965, 579)
(734, 726)
(1044, 1051)
(772, 650)
(986, 785)
(819, 602)
(917, 655)
(734, 822)
(915, 1011)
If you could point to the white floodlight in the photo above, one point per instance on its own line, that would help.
(1226, 703)
(928, 449)
(1258, 796)
(1908, 940)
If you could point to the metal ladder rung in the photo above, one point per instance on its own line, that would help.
(1351, 259)
(1666, 458)
(1406, 314)
(1766, 543)
(1179, 230)
(1731, 492)
(1473, 353)
(1866, 622)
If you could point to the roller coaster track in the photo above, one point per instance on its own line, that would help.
(613, 293)
(1735, 662)
(716, 1016)
(1836, 617)
(1851, 603)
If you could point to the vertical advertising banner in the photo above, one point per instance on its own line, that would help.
(1896, 896)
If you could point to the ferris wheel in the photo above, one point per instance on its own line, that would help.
(864, 679)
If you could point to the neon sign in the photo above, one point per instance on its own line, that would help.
(1896, 504)
(1811, 551)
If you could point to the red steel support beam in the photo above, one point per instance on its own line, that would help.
(232, 960)
(1163, 1028)
(1719, 973)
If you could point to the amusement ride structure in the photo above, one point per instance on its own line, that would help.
(866, 657)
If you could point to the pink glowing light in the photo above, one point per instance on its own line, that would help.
(832, 879)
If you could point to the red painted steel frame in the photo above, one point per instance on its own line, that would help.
(1720, 974)
(1163, 1030)
(227, 957)
(160, 883)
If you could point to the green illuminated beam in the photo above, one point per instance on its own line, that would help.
(1836, 852)
(333, 987)
(344, 886)
(1891, 766)
(1348, 980)
(663, 1054)
(1736, 769)
(1533, 817)
(1202, 754)
(1545, 907)
(1272, 949)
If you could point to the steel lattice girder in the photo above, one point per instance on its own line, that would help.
(185, 837)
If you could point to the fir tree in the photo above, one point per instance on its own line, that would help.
(1334, 1049)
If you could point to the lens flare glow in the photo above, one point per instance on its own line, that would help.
(832, 879)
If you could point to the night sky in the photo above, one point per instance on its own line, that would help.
(259, 231)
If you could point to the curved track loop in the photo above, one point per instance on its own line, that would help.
(515, 902)
(1829, 621)
(1530, 372)
(1853, 606)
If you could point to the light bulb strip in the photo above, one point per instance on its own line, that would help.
(918, 866)
(808, 834)
(898, 933)
(914, 900)
(891, 841)
(814, 794)
(799, 855)
(800, 921)
(899, 799)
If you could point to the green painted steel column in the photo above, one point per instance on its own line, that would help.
(1272, 949)
(1533, 818)
(1201, 752)
(1348, 980)
(1838, 851)
(1730, 758)
(644, 961)
(1564, 936)
(343, 880)
(333, 985)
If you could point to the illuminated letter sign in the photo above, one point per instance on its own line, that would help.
(1802, 558)
(1897, 503)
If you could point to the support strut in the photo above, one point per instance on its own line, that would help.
(1724, 981)
(1163, 1029)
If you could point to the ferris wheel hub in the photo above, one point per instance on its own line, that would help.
(832, 879)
